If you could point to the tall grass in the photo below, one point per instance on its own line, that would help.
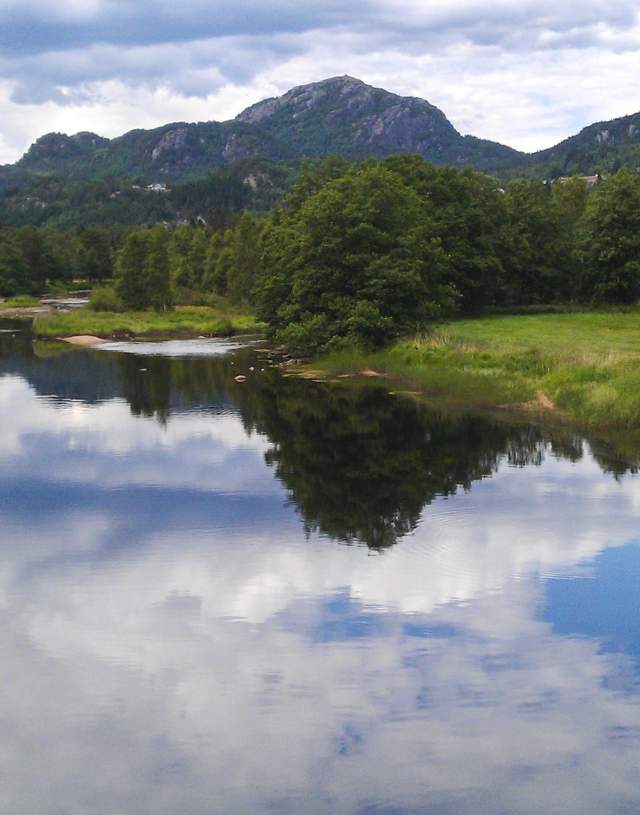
(586, 366)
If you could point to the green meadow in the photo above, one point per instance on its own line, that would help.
(582, 367)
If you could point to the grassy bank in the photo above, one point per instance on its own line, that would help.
(583, 367)
(20, 301)
(183, 321)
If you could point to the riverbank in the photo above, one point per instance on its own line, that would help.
(183, 321)
(21, 306)
(578, 367)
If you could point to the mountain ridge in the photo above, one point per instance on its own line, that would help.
(340, 115)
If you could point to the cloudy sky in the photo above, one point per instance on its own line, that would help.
(523, 72)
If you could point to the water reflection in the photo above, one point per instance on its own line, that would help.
(174, 640)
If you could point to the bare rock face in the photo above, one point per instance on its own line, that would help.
(236, 149)
(352, 94)
(173, 141)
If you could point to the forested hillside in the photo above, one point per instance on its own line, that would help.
(185, 171)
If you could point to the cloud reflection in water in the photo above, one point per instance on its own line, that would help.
(172, 641)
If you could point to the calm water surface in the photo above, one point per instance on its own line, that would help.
(281, 596)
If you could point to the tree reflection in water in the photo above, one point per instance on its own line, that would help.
(359, 464)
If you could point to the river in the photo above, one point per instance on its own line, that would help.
(285, 596)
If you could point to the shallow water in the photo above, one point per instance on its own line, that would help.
(288, 597)
(203, 347)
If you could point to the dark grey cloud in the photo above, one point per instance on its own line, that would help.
(35, 27)
(196, 47)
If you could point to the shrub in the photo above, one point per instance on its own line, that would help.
(105, 298)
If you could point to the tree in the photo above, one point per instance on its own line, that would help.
(180, 252)
(212, 281)
(539, 258)
(157, 274)
(14, 278)
(131, 278)
(611, 240)
(96, 254)
(34, 256)
(358, 262)
(197, 257)
(468, 214)
(246, 248)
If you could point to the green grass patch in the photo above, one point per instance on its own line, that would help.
(183, 321)
(584, 367)
(20, 301)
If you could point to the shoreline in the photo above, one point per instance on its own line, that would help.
(581, 369)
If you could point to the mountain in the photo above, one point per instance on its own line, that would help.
(341, 116)
(346, 117)
(249, 160)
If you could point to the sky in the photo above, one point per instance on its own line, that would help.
(526, 73)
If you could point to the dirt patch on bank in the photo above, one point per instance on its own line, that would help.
(86, 340)
(541, 403)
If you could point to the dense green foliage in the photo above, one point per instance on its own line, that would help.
(32, 260)
(360, 254)
(611, 242)
(375, 250)
(355, 262)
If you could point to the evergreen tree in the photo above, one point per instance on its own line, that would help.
(211, 281)
(14, 277)
(246, 249)
(131, 278)
(197, 258)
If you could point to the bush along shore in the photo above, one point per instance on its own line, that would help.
(577, 367)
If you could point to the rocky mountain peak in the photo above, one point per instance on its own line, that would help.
(304, 99)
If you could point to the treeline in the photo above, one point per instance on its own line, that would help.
(362, 253)
(33, 260)
(159, 266)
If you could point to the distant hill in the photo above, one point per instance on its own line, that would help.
(249, 158)
(603, 148)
